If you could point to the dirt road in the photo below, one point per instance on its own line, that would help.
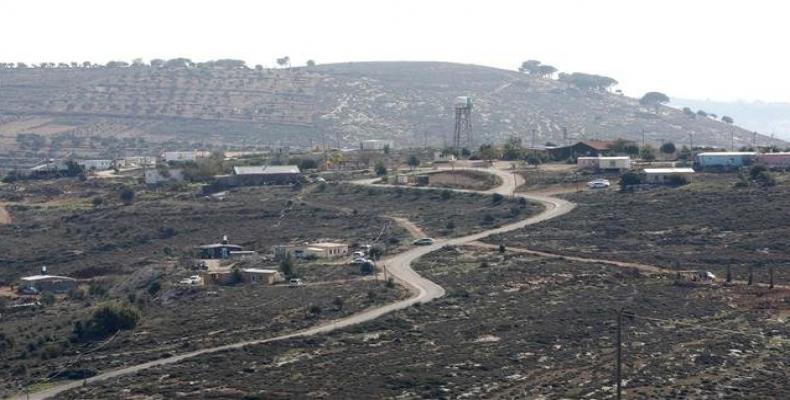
(398, 266)
(5, 217)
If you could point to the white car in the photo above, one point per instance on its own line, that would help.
(423, 242)
(358, 261)
(296, 282)
(358, 254)
(599, 184)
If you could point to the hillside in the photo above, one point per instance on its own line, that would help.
(766, 117)
(410, 102)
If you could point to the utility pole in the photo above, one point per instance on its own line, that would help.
(643, 137)
(732, 140)
(691, 143)
(619, 358)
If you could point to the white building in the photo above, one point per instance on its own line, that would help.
(663, 175)
(179, 156)
(96, 165)
(326, 250)
(604, 163)
(375, 145)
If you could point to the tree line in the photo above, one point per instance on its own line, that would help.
(180, 62)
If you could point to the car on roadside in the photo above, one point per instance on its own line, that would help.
(358, 254)
(423, 242)
(599, 184)
(296, 282)
(358, 261)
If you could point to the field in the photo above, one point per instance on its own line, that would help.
(55, 224)
(465, 179)
(438, 213)
(511, 326)
(708, 225)
(137, 253)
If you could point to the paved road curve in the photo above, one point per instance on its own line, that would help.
(399, 266)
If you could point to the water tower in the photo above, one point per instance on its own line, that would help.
(463, 123)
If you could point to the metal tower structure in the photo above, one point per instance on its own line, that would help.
(463, 123)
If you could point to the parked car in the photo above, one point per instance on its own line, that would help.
(599, 184)
(423, 242)
(358, 254)
(358, 260)
(296, 282)
(320, 180)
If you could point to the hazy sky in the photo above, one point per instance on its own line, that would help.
(722, 50)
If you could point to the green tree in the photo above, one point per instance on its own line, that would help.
(413, 162)
(629, 179)
(287, 267)
(380, 169)
(727, 120)
(106, 320)
(647, 153)
(126, 195)
(668, 148)
(512, 149)
(488, 152)
(310, 63)
(684, 153)
(530, 67)
(654, 99)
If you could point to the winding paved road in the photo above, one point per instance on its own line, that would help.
(399, 266)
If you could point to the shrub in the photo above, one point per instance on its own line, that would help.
(338, 303)
(497, 198)
(287, 267)
(765, 178)
(366, 268)
(446, 194)
(154, 287)
(126, 195)
(380, 169)
(488, 219)
(315, 309)
(677, 180)
(107, 320)
(97, 201)
(450, 225)
(47, 299)
(629, 179)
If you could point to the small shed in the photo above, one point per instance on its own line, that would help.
(47, 283)
(326, 250)
(257, 276)
(663, 175)
(266, 174)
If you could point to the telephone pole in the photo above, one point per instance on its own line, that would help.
(619, 358)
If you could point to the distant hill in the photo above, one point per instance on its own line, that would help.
(409, 102)
(764, 117)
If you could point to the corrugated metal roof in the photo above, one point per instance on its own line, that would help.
(259, 270)
(35, 278)
(669, 170)
(727, 153)
(266, 169)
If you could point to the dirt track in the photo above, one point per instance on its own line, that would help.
(399, 266)
(5, 217)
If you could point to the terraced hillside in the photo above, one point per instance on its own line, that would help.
(410, 102)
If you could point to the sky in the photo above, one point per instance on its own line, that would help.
(720, 50)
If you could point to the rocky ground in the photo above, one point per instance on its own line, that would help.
(708, 225)
(511, 326)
